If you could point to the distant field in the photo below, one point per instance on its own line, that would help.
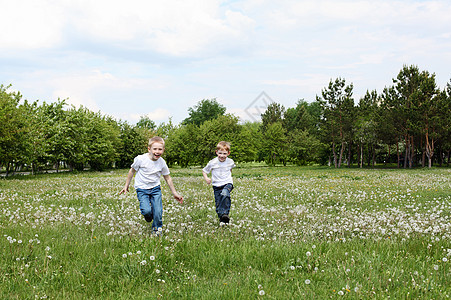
(295, 233)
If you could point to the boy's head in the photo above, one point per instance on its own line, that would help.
(156, 147)
(222, 150)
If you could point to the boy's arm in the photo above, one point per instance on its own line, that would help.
(130, 175)
(207, 180)
(176, 195)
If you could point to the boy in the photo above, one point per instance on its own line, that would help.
(221, 179)
(148, 168)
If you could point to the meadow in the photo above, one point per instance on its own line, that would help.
(295, 233)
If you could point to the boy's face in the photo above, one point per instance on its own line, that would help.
(156, 150)
(222, 154)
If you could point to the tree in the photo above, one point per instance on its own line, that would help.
(273, 113)
(203, 111)
(223, 128)
(366, 125)
(15, 127)
(428, 105)
(132, 143)
(274, 144)
(146, 122)
(338, 110)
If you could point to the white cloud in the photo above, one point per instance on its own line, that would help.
(30, 24)
(173, 27)
(159, 114)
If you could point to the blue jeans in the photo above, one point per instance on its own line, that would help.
(151, 205)
(222, 199)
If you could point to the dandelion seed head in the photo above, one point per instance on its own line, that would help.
(307, 281)
(261, 292)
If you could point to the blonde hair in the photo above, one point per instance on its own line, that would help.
(223, 145)
(156, 139)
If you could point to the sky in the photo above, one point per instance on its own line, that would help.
(134, 58)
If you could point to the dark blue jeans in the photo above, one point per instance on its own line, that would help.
(222, 199)
(151, 205)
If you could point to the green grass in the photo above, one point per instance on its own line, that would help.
(295, 233)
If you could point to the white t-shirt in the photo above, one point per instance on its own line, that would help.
(221, 172)
(148, 171)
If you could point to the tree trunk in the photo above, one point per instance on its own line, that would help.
(361, 155)
(406, 155)
(341, 154)
(349, 154)
(335, 154)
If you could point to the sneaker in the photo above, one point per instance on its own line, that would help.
(148, 218)
(224, 219)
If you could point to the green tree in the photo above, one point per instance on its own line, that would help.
(14, 129)
(338, 112)
(274, 144)
(204, 110)
(366, 126)
(273, 113)
(223, 128)
(406, 86)
(102, 139)
(132, 143)
(182, 146)
(427, 101)
(146, 122)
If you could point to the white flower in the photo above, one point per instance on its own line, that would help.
(341, 293)
(152, 257)
(436, 267)
(261, 292)
(138, 252)
(308, 253)
(292, 267)
(124, 255)
(444, 259)
(307, 281)
(144, 262)
(47, 248)
(157, 271)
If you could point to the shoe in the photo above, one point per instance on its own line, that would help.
(148, 219)
(225, 219)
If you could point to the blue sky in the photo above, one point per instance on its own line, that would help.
(158, 58)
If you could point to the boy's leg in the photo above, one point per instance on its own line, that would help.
(144, 203)
(157, 206)
(223, 201)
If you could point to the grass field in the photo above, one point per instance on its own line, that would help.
(295, 233)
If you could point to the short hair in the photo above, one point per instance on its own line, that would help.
(156, 139)
(223, 145)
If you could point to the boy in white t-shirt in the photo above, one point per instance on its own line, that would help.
(148, 168)
(221, 179)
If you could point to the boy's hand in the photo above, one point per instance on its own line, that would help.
(179, 198)
(208, 180)
(124, 191)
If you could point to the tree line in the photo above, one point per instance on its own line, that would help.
(406, 124)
